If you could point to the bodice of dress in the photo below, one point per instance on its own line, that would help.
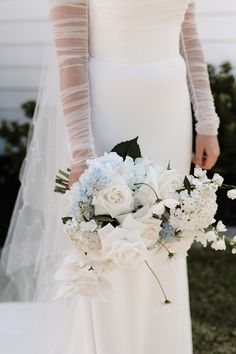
(126, 32)
(135, 31)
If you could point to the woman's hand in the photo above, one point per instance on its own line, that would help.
(207, 151)
(75, 174)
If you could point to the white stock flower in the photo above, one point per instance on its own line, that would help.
(201, 237)
(231, 194)
(125, 248)
(115, 199)
(217, 179)
(211, 236)
(219, 244)
(220, 227)
(158, 208)
(168, 182)
(200, 173)
(88, 226)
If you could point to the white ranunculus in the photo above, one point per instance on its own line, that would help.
(125, 248)
(168, 183)
(115, 199)
(231, 194)
(148, 227)
(220, 227)
(219, 244)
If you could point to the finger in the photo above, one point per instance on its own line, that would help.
(199, 160)
(210, 161)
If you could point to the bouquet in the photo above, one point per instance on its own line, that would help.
(125, 207)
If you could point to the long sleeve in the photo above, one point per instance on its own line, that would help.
(207, 120)
(69, 20)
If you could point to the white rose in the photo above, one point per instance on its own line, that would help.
(231, 194)
(219, 244)
(115, 199)
(125, 248)
(220, 227)
(168, 183)
(233, 250)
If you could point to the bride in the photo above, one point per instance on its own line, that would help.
(118, 69)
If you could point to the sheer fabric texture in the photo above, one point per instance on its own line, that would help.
(207, 120)
(70, 26)
(70, 23)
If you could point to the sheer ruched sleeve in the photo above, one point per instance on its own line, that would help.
(69, 20)
(207, 120)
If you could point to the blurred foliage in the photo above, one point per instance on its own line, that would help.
(14, 135)
(223, 83)
(212, 285)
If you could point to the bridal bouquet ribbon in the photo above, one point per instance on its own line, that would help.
(125, 206)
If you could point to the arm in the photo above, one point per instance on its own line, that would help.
(70, 28)
(207, 120)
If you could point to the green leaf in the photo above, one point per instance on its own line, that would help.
(187, 184)
(66, 218)
(128, 148)
(105, 218)
(168, 167)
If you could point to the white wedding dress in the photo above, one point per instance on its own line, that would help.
(137, 84)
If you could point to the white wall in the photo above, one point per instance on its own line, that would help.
(24, 31)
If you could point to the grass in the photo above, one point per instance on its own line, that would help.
(212, 281)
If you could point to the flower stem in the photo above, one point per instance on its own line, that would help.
(163, 245)
(146, 184)
(164, 294)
